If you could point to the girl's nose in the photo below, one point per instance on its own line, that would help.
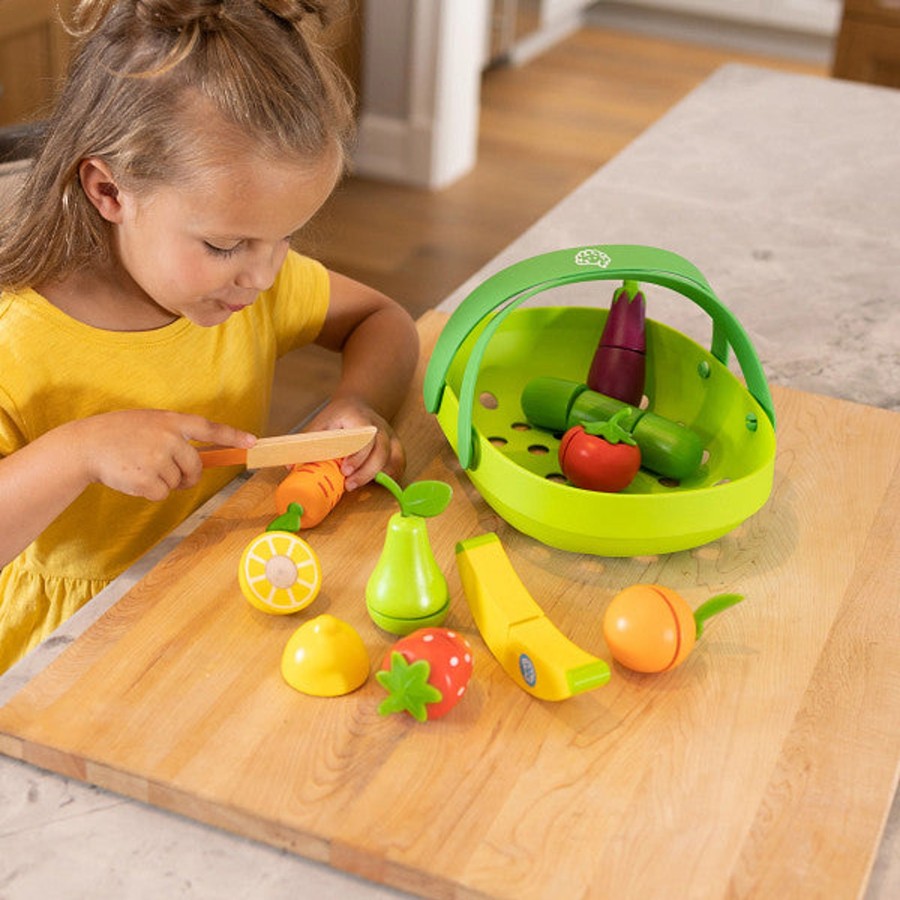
(260, 268)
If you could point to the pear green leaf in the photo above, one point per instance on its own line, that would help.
(426, 498)
(386, 481)
(408, 688)
(421, 498)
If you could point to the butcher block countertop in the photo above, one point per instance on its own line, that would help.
(764, 765)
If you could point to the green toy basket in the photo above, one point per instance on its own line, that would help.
(490, 349)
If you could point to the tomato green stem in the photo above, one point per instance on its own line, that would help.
(613, 430)
(712, 606)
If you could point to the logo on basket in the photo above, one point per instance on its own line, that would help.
(591, 256)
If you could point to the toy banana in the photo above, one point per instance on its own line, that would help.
(534, 653)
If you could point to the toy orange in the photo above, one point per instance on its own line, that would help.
(279, 573)
(651, 628)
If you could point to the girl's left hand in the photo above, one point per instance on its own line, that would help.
(384, 454)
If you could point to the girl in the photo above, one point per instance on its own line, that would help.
(149, 287)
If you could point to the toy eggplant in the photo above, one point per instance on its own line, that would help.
(618, 366)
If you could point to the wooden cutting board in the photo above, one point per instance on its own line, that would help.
(765, 765)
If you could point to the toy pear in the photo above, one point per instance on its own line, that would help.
(407, 589)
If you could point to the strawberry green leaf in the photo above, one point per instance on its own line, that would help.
(408, 688)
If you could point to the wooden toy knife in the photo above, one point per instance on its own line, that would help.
(291, 449)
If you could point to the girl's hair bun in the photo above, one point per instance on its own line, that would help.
(87, 16)
(295, 11)
(176, 15)
(204, 15)
(208, 15)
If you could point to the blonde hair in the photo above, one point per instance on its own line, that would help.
(130, 98)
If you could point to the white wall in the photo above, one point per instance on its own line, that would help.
(421, 84)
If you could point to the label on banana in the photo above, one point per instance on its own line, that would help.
(529, 647)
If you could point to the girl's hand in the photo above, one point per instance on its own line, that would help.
(141, 452)
(385, 453)
(147, 452)
(379, 348)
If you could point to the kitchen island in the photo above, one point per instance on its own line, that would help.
(782, 190)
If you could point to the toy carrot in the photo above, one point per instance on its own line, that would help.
(617, 368)
(316, 487)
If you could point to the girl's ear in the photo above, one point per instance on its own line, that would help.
(100, 186)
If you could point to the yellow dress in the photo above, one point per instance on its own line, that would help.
(54, 369)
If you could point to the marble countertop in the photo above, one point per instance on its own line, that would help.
(783, 190)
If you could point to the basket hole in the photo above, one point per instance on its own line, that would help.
(538, 449)
(645, 402)
(520, 426)
(498, 441)
(722, 481)
(488, 400)
(665, 481)
(556, 477)
(705, 458)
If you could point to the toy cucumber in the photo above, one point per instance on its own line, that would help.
(667, 448)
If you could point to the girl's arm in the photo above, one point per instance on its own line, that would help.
(143, 453)
(380, 347)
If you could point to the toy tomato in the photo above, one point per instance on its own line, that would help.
(425, 673)
(600, 456)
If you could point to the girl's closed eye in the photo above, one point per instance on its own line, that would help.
(221, 252)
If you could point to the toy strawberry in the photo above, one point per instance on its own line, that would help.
(425, 673)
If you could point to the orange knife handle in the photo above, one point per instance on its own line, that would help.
(226, 456)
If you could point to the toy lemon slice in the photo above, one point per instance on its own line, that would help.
(279, 573)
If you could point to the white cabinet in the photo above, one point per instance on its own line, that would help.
(820, 17)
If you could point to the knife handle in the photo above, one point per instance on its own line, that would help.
(223, 456)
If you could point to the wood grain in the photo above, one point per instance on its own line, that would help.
(764, 765)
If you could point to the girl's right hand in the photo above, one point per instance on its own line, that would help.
(141, 452)
(147, 452)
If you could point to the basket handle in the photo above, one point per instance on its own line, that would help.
(515, 284)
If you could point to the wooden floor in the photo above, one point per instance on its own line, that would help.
(545, 127)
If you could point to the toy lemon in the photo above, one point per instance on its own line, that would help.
(325, 657)
(279, 573)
